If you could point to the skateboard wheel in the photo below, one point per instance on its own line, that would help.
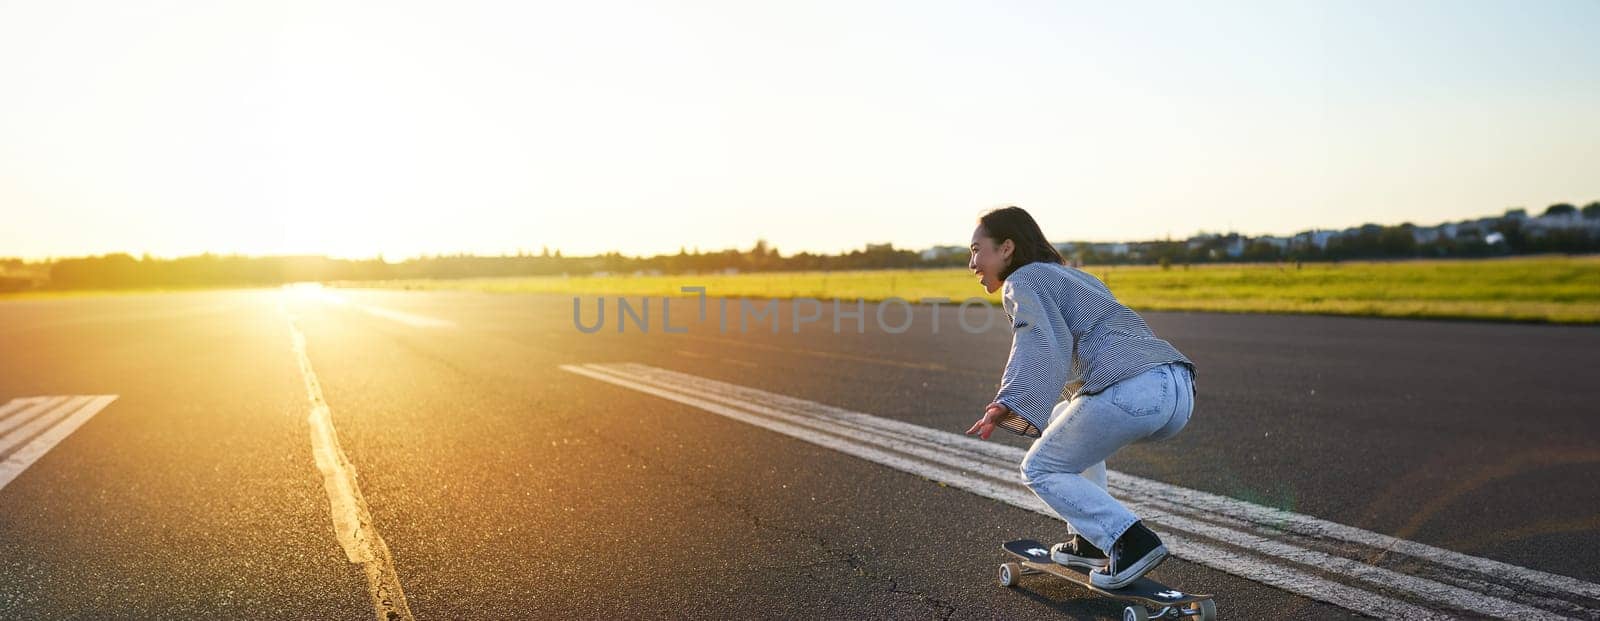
(1008, 574)
(1207, 609)
(1135, 613)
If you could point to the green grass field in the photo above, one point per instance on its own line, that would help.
(1551, 289)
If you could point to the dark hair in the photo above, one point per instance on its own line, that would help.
(1030, 246)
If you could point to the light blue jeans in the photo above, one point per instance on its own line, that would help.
(1066, 466)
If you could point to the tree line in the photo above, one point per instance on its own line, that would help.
(1371, 241)
(125, 271)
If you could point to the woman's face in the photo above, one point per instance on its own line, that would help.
(988, 259)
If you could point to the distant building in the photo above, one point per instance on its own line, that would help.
(940, 252)
(1548, 223)
(1314, 238)
(1199, 241)
(1112, 249)
(1234, 246)
(1281, 243)
(1486, 230)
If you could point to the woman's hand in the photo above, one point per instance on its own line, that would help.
(991, 414)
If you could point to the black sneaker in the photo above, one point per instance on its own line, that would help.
(1078, 552)
(1133, 555)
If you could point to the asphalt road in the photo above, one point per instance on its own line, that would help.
(507, 485)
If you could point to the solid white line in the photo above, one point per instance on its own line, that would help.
(21, 434)
(41, 404)
(1419, 587)
(1158, 501)
(1318, 528)
(1443, 579)
(352, 521)
(1206, 502)
(1169, 513)
(16, 462)
(1279, 576)
(1294, 581)
(1173, 515)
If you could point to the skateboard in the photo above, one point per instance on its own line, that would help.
(1151, 599)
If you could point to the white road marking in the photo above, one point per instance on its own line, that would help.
(1159, 498)
(1210, 505)
(46, 432)
(315, 291)
(1205, 503)
(352, 521)
(39, 404)
(990, 469)
(987, 485)
(22, 433)
(413, 320)
(16, 404)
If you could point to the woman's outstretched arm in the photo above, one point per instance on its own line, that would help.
(1038, 367)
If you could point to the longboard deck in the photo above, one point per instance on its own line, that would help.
(1145, 591)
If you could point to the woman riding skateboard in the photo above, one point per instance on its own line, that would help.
(1125, 386)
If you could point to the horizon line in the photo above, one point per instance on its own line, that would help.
(697, 248)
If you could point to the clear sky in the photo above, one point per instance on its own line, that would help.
(403, 128)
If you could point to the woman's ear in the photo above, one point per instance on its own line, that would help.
(1006, 249)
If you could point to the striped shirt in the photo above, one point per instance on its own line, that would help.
(1069, 334)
